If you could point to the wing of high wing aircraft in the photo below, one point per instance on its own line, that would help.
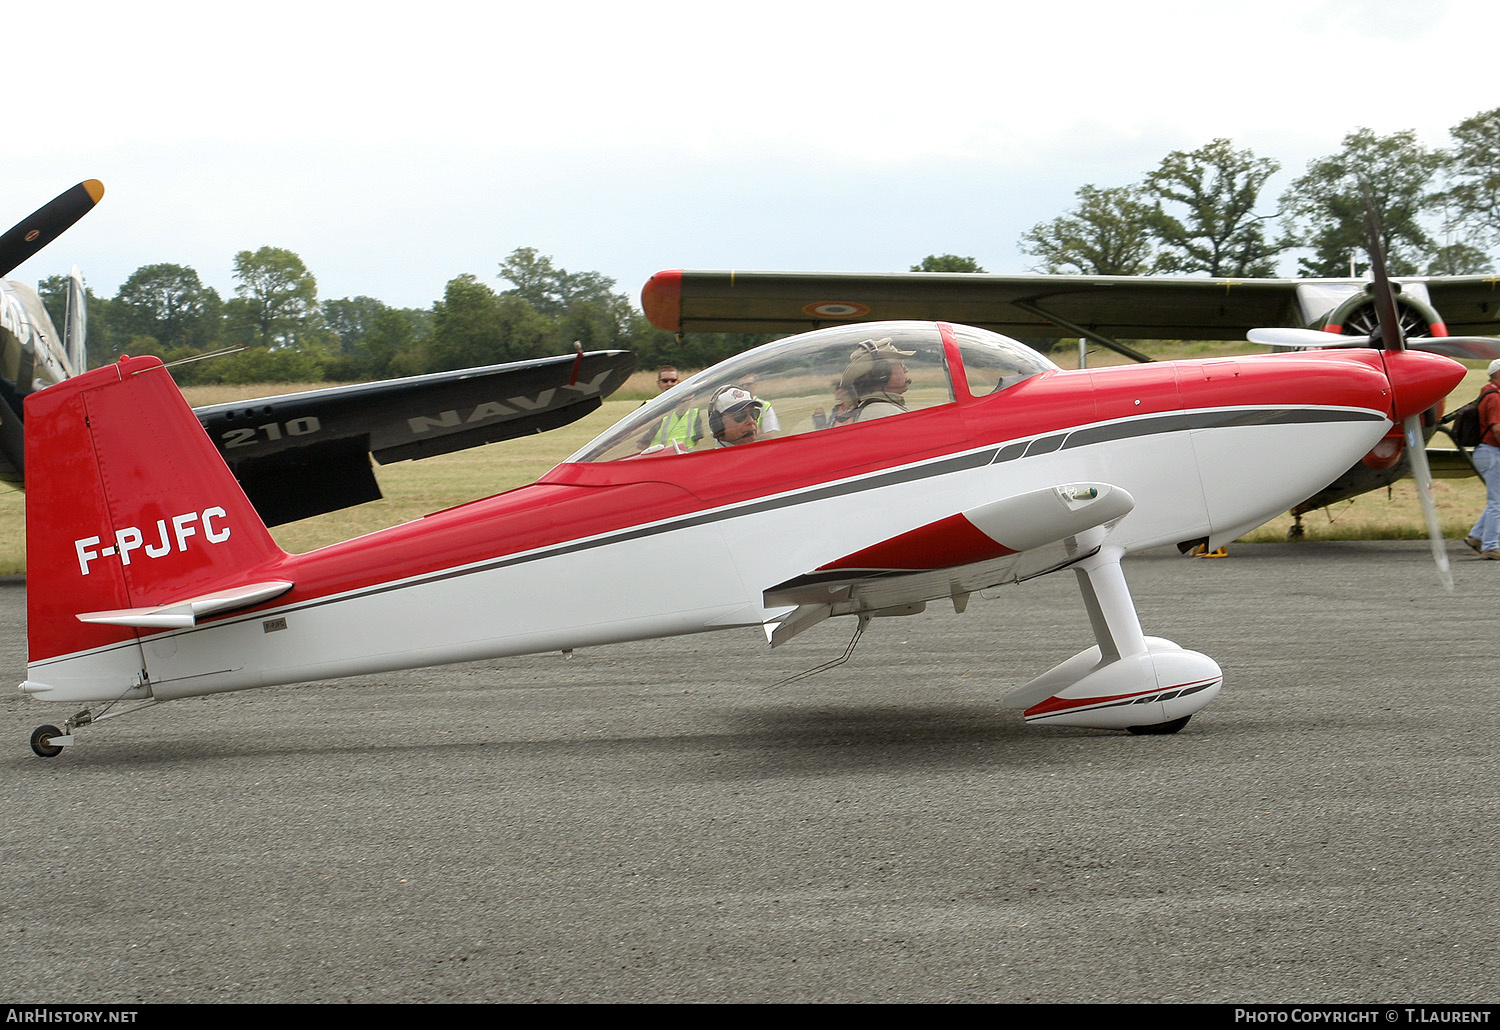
(1104, 308)
(1108, 310)
(299, 454)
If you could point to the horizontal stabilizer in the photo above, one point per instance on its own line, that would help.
(184, 614)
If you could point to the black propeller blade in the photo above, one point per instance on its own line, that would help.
(47, 223)
(1391, 337)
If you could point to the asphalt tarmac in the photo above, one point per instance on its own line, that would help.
(657, 823)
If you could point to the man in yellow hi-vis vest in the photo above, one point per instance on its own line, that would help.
(683, 426)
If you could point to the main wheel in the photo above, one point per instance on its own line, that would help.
(41, 741)
(1160, 727)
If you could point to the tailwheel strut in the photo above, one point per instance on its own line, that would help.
(48, 741)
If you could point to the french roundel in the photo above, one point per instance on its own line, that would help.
(836, 309)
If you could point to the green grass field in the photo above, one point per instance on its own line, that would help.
(416, 488)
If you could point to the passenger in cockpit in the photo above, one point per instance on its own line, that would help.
(878, 378)
(845, 408)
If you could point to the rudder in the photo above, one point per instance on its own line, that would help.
(129, 506)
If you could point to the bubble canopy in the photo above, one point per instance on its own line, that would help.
(828, 380)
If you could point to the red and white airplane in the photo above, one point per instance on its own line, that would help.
(152, 578)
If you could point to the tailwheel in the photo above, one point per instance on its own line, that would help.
(48, 741)
(1160, 728)
(41, 741)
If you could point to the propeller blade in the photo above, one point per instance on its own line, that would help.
(1385, 297)
(1304, 339)
(1473, 348)
(1411, 426)
(47, 223)
(1416, 449)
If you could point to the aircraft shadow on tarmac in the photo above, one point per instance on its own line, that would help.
(753, 741)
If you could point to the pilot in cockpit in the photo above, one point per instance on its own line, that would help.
(733, 417)
(878, 378)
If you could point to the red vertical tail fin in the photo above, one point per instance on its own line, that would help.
(129, 507)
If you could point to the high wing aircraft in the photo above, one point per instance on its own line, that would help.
(299, 454)
(1105, 309)
(153, 578)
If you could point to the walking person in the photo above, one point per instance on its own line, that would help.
(1485, 536)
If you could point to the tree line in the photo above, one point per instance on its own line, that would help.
(1197, 213)
(285, 333)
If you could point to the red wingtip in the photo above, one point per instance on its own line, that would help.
(661, 299)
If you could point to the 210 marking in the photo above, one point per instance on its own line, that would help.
(250, 436)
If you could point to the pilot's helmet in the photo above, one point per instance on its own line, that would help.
(870, 364)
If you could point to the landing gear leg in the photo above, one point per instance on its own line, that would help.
(48, 741)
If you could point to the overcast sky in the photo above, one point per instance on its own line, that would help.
(394, 147)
